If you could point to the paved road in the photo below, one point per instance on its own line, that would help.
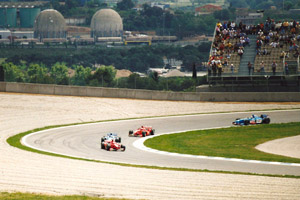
(83, 141)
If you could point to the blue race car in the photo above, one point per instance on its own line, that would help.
(253, 119)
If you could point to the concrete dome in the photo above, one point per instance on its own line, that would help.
(50, 24)
(106, 23)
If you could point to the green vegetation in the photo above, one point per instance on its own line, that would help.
(234, 142)
(104, 76)
(76, 67)
(134, 59)
(32, 196)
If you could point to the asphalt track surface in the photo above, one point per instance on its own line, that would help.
(83, 141)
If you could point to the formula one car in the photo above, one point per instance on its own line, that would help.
(253, 119)
(142, 131)
(111, 144)
(111, 136)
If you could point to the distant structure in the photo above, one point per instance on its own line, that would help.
(15, 14)
(207, 9)
(106, 23)
(248, 18)
(50, 24)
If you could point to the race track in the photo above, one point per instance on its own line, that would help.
(84, 141)
(24, 171)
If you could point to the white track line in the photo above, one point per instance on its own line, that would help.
(140, 142)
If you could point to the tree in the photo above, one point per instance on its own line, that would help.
(125, 5)
(59, 72)
(37, 74)
(223, 14)
(103, 76)
(81, 75)
(12, 73)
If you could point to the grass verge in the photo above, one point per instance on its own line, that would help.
(32, 196)
(233, 142)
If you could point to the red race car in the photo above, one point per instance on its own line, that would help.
(142, 131)
(111, 144)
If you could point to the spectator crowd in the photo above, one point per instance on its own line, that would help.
(231, 39)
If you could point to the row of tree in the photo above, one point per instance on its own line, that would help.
(134, 59)
(104, 76)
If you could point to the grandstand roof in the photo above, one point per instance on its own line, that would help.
(32, 4)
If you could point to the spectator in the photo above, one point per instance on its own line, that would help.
(262, 67)
(240, 52)
(219, 66)
(265, 52)
(209, 68)
(286, 68)
(296, 54)
(214, 68)
(274, 65)
(232, 69)
(247, 41)
(258, 52)
(274, 44)
(282, 54)
(249, 68)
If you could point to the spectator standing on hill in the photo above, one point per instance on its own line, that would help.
(274, 65)
(249, 68)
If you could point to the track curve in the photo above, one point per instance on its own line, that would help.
(83, 141)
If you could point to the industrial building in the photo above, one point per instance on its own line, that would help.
(106, 23)
(19, 14)
(50, 24)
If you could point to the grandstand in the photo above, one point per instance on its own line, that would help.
(272, 48)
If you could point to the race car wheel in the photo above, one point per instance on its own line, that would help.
(102, 139)
(118, 139)
(123, 148)
(108, 147)
(143, 134)
(102, 146)
(246, 122)
(267, 120)
(152, 132)
(130, 133)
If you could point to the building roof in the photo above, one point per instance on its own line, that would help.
(50, 24)
(106, 22)
(208, 8)
(32, 4)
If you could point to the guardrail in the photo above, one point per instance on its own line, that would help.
(149, 94)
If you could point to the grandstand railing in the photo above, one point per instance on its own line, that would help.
(298, 69)
(214, 35)
(283, 61)
(265, 83)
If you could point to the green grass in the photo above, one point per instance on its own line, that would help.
(234, 142)
(31, 196)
